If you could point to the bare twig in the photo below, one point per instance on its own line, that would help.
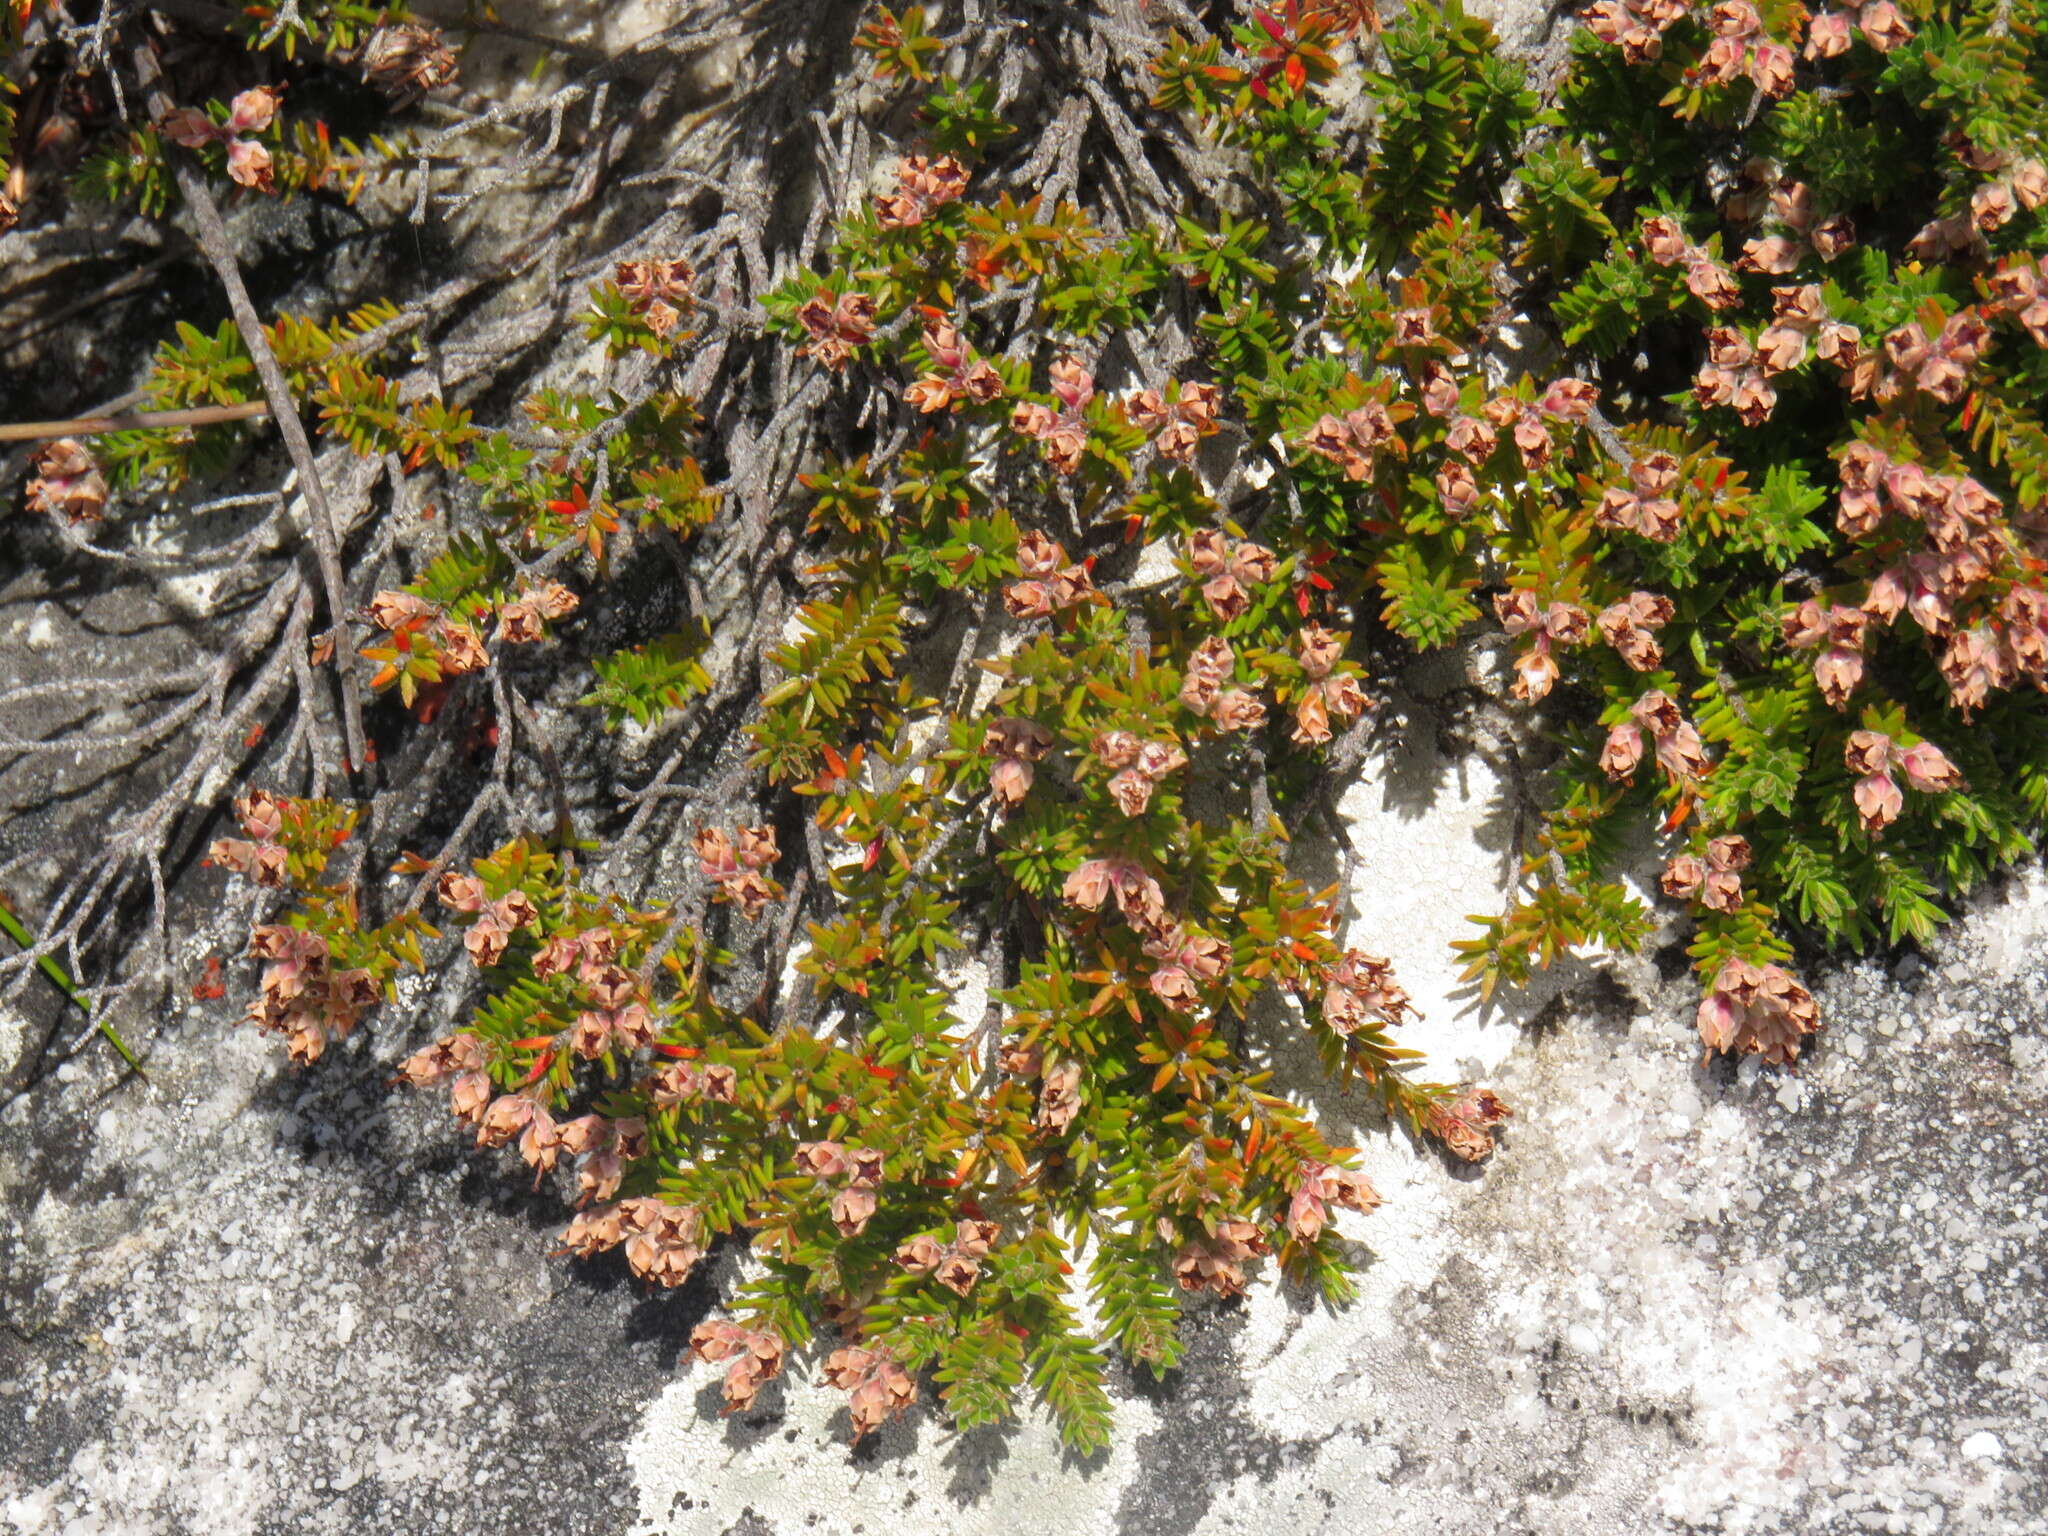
(132, 421)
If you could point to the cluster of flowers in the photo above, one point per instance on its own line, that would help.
(2019, 288)
(1330, 693)
(456, 641)
(924, 184)
(1359, 989)
(1738, 373)
(1210, 665)
(1844, 630)
(1214, 1260)
(618, 1016)
(1636, 27)
(663, 1242)
(249, 163)
(522, 620)
(1229, 569)
(738, 870)
(1716, 881)
(1474, 439)
(65, 481)
(496, 921)
(1059, 1091)
(1647, 506)
(1465, 1124)
(756, 1356)
(1798, 316)
(2014, 184)
(955, 1265)
(1759, 1010)
(1938, 367)
(1176, 425)
(602, 1146)
(415, 625)
(1017, 746)
(1135, 767)
(1764, 194)
(1566, 624)
(1964, 546)
(878, 1387)
(262, 855)
(458, 1057)
(1174, 422)
(1734, 376)
(1137, 894)
(1187, 958)
(1740, 48)
(1062, 435)
(302, 997)
(1629, 626)
(683, 1082)
(836, 323)
(1321, 1187)
(658, 291)
(1871, 756)
(1882, 24)
(860, 1169)
(958, 375)
(1680, 752)
(1050, 583)
(1353, 441)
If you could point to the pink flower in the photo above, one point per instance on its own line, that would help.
(1059, 1098)
(1683, 876)
(1878, 801)
(1622, 753)
(1237, 710)
(1536, 671)
(1928, 769)
(253, 110)
(249, 165)
(1089, 886)
(1132, 791)
(1838, 672)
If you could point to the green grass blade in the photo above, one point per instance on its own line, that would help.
(61, 979)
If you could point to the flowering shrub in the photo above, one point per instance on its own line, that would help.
(1762, 539)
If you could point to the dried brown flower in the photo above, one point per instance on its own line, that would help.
(836, 323)
(1465, 1125)
(923, 184)
(1322, 1186)
(1059, 1096)
(756, 1355)
(1215, 1262)
(1757, 1010)
(66, 482)
(879, 1387)
(404, 57)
